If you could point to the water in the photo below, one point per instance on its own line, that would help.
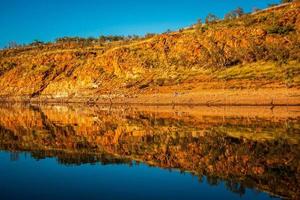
(99, 152)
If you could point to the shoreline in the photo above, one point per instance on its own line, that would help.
(211, 97)
(62, 102)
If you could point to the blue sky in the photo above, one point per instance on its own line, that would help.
(26, 20)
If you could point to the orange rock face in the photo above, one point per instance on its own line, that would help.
(185, 60)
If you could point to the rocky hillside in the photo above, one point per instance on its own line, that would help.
(252, 59)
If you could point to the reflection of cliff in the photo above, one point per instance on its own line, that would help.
(245, 150)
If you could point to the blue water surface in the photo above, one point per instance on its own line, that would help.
(28, 178)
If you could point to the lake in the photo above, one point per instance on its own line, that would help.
(148, 152)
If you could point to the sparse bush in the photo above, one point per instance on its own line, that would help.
(278, 54)
(160, 82)
(218, 57)
(90, 40)
(262, 19)
(255, 52)
(281, 30)
(249, 20)
(295, 50)
(145, 85)
(6, 66)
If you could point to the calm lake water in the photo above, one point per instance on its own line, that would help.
(99, 152)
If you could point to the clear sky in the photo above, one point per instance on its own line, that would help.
(26, 20)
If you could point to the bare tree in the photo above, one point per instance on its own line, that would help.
(12, 45)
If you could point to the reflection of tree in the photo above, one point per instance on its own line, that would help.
(79, 158)
(212, 180)
(14, 156)
(203, 148)
(235, 187)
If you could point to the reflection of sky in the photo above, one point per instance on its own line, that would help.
(27, 178)
(24, 21)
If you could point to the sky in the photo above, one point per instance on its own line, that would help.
(23, 21)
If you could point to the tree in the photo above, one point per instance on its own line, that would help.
(198, 26)
(272, 4)
(150, 35)
(239, 12)
(255, 9)
(229, 16)
(169, 31)
(37, 43)
(12, 45)
(102, 38)
(135, 37)
(211, 18)
(286, 1)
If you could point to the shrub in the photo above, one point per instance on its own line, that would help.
(281, 30)
(6, 66)
(160, 82)
(249, 21)
(278, 54)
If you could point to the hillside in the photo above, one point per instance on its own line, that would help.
(252, 59)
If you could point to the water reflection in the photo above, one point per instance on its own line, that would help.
(248, 147)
